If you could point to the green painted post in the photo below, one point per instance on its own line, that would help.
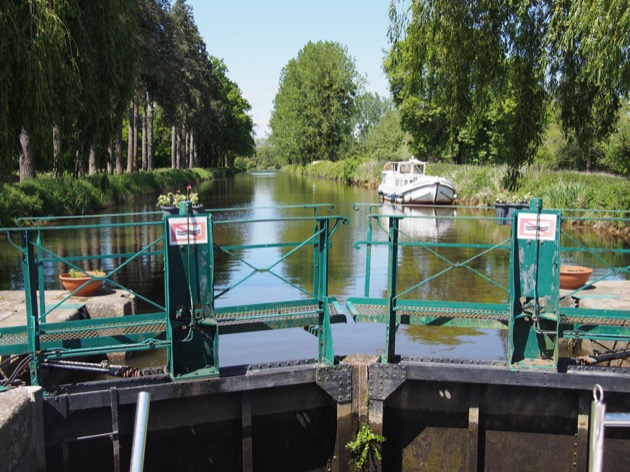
(392, 287)
(40, 278)
(30, 291)
(325, 354)
(189, 295)
(368, 257)
(534, 288)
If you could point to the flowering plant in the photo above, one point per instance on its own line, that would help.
(504, 197)
(174, 199)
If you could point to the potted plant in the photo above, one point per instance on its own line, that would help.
(505, 204)
(169, 202)
(73, 279)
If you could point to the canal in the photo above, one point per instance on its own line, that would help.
(263, 195)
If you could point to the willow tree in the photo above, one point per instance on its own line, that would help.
(474, 78)
(467, 78)
(590, 68)
(313, 110)
(38, 68)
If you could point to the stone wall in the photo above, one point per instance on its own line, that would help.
(22, 430)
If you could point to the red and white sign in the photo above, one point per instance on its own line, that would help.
(537, 226)
(183, 231)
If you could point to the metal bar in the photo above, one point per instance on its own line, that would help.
(32, 319)
(392, 283)
(617, 420)
(115, 439)
(596, 439)
(140, 432)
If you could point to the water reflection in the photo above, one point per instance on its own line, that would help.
(421, 222)
(454, 274)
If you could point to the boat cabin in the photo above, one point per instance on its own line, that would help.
(407, 167)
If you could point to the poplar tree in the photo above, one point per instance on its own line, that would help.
(313, 110)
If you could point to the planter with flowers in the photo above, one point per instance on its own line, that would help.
(170, 202)
(505, 204)
(87, 282)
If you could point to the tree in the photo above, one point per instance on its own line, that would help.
(370, 108)
(590, 69)
(474, 79)
(467, 78)
(313, 110)
(387, 140)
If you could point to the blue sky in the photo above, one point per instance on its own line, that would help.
(257, 38)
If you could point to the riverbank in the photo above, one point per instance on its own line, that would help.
(64, 196)
(481, 186)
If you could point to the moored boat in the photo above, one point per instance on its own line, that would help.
(406, 182)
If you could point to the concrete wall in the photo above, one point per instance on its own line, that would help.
(22, 430)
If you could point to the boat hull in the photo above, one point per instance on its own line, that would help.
(438, 192)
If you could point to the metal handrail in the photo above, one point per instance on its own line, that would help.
(599, 421)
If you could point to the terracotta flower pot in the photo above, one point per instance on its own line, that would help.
(572, 277)
(71, 283)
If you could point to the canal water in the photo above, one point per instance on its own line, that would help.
(261, 195)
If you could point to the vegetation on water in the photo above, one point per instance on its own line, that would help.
(366, 448)
(66, 195)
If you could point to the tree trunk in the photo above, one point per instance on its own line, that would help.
(144, 133)
(130, 143)
(150, 164)
(119, 158)
(188, 150)
(183, 162)
(79, 163)
(27, 159)
(92, 167)
(173, 147)
(194, 150)
(135, 136)
(110, 157)
(178, 151)
(57, 167)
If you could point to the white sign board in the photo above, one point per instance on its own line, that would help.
(537, 226)
(184, 231)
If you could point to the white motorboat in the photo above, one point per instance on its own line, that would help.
(406, 182)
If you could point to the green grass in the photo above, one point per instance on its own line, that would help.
(47, 196)
(482, 186)
(477, 185)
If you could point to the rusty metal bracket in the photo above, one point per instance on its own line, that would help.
(336, 381)
(385, 379)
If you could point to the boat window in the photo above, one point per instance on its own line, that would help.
(405, 169)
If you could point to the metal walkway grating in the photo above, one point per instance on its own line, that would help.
(288, 314)
(426, 312)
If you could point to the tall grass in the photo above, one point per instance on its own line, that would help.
(477, 185)
(47, 196)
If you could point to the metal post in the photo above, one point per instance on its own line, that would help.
(596, 440)
(392, 287)
(140, 432)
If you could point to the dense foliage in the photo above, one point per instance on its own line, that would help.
(314, 109)
(75, 71)
(474, 80)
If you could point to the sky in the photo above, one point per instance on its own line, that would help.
(257, 38)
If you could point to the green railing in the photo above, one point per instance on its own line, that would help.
(527, 298)
(184, 314)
